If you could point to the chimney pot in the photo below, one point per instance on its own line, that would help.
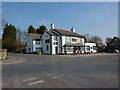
(52, 26)
(73, 29)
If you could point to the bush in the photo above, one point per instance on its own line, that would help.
(11, 45)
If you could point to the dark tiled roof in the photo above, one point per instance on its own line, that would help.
(68, 33)
(50, 32)
(35, 36)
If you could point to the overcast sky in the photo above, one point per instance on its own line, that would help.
(95, 18)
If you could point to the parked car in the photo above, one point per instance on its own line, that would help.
(101, 50)
(116, 51)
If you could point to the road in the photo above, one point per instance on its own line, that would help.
(81, 71)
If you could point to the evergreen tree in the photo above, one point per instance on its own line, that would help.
(9, 37)
(41, 29)
(9, 41)
(31, 29)
(9, 32)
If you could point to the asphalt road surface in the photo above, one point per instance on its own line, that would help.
(52, 71)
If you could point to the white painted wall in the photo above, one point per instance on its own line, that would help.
(65, 40)
(54, 46)
(36, 45)
(69, 39)
(44, 45)
(82, 49)
(91, 45)
(45, 36)
(79, 40)
(31, 44)
(83, 41)
(63, 43)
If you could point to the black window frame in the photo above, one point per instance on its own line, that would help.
(47, 47)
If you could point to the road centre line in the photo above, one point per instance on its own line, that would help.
(29, 79)
(32, 83)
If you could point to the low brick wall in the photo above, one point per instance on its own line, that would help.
(3, 54)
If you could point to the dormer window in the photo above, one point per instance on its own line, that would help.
(74, 40)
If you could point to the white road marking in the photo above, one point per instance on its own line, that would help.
(29, 79)
(32, 83)
(55, 77)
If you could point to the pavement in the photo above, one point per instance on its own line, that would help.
(12, 60)
(62, 71)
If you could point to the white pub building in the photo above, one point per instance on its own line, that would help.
(59, 41)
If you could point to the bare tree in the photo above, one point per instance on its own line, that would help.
(95, 39)
(18, 34)
(24, 35)
(21, 35)
(108, 40)
(87, 37)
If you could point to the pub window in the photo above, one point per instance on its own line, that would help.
(94, 47)
(88, 48)
(74, 40)
(55, 43)
(69, 49)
